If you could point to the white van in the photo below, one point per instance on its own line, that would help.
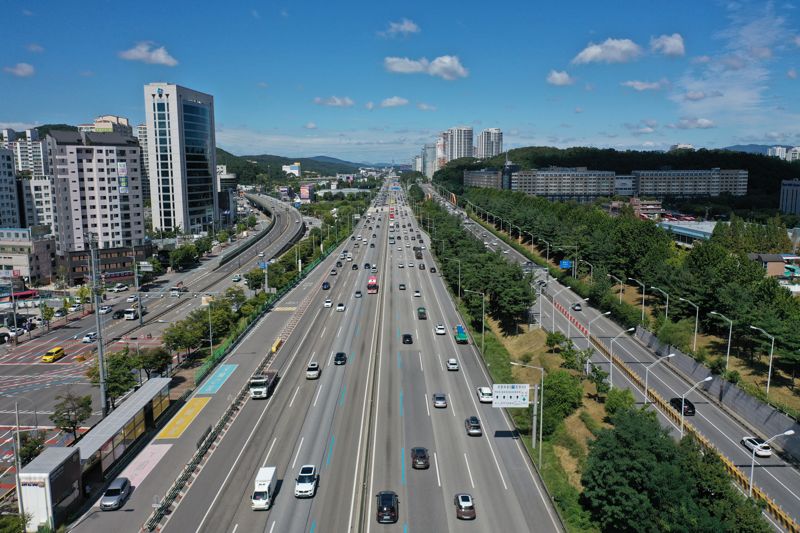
(263, 489)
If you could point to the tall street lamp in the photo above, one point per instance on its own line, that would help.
(589, 334)
(620, 285)
(547, 258)
(643, 294)
(541, 409)
(683, 398)
(483, 317)
(553, 301)
(666, 294)
(730, 336)
(591, 269)
(696, 321)
(771, 350)
(459, 274)
(647, 374)
(611, 358)
(787, 433)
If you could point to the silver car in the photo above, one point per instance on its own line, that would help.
(439, 400)
(116, 494)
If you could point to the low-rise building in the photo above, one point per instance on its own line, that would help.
(790, 197)
(486, 178)
(774, 264)
(28, 254)
(557, 183)
(691, 183)
(293, 169)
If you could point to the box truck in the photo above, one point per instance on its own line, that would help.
(264, 489)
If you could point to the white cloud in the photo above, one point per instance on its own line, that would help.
(370, 105)
(17, 126)
(263, 84)
(643, 127)
(579, 110)
(609, 51)
(797, 40)
(394, 101)
(560, 78)
(446, 67)
(334, 101)
(255, 14)
(405, 27)
(791, 74)
(422, 106)
(86, 73)
(147, 52)
(35, 48)
(27, 12)
(700, 60)
(284, 13)
(310, 126)
(21, 70)
(695, 96)
(689, 123)
(668, 45)
(637, 85)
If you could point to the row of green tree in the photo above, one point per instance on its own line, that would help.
(187, 255)
(715, 275)
(507, 289)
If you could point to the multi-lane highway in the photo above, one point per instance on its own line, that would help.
(777, 477)
(358, 422)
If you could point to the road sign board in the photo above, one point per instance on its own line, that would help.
(565, 263)
(262, 265)
(144, 266)
(510, 395)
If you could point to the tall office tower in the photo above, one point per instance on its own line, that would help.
(441, 150)
(141, 134)
(459, 143)
(490, 143)
(429, 160)
(96, 189)
(30, 156)
(182, 155)
(9, 209)
(108, 124)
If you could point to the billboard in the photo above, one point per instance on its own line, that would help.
(122, 175)
(510, 395)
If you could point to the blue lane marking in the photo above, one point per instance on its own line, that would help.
(403, 466)
(330, 452)
(398, 332)
(313, 526)
(399, 361)
(405, 527)
(341, 398)
(356, 332)
(401, 403)
(217, 380)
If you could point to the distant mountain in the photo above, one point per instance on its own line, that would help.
(335, 161)
(321, 164)
(45, 128)
(752, 148)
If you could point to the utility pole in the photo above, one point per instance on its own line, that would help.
(18, 462)
(101, 365)
(136, 284)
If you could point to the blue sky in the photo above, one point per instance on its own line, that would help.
(373, 81)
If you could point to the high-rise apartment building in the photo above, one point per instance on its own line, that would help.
(9, 208)
(793, 154)
(490, 143)
(441, 150)
(459, 143)
(108, 124)
(417, 166)
(429, 160)
(182, 157)
(777, 151)
(790, 197)
(96, 189)
(36, 201)
(30, 155)
(144, 170)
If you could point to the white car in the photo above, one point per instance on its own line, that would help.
(89, 337)
(410, 264)
(306, 483)
(417, 294)
(74, 307)
(105, 309)
(132, 298)
(751, 443)
(340, 307)
(440, 329)
(236, 278)
(327, 303)
(452, 364)
(312, 372)
(401, 265)
(484, 394)
(505, 251)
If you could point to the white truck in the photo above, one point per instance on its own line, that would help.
(261, 385)
(264, 489)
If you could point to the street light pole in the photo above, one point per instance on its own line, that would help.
(620, 285)
(696, 322)
(683, 398)
(547, 258)
(787, 433)
(483, 317)
(553, 301)
(541, 409)
(666, 294)
(730, 336)
(643, 294)
(647, 373)
(771, 351)
(589, 334)
(591, 269)
(611, 358)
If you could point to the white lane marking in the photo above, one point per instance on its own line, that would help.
(421, 369)
(294, 395)
(450, 403)
(272, 527)
(321, 336)
(269, 451)
(339, 332)
(235, 527)
(425, 399)
(317, 396)
(441, 365)
(436, 462)
(469, 471)
(298, 452)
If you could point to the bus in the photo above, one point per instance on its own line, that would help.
(372, 285)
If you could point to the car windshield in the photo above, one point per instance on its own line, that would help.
(305, 478)
(113, 492)
(465, 502)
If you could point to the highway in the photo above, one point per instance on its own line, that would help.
(778, 478)
(358, 421)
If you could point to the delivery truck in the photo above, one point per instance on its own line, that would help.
(264, 488)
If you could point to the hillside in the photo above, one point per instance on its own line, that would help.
(326, 166)
(752, 148)
(45, 128)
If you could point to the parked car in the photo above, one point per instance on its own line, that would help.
(73, 308)
(420, 459)
(116, 494)
(388, 507)
(757, 444)
(688, 407)
(473, 426)
(236, 278)
(465, 506)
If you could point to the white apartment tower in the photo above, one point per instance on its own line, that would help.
(37, 201)
(182, 157)
(9, 210)
(490, 143)
(96, 189)
(30, 156)
(459, 143)
(141, 134)
(429, 160)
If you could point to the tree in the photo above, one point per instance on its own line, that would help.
(183, 257)
(619, 400)
(31, 444)
(47, 313)
(554, 340)
(563, 395)
(71, 411)
(678, 334)
(13, 523)
(223, 236)
(84, 293)
(236, 296)
(153, 360)
(598, 377)
(251, 221)
(119, 376)
(185, 334)
(203, 245)
(255, 279)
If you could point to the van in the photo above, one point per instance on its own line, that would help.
(263, 489)
(131, 314)
(175, 292)
(52, 355)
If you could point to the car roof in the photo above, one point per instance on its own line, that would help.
(118, 483)
(465, 499)
(473, 420)
(307, 469)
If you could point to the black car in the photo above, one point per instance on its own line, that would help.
(340, 358)
(688, 407)
(407, 338)
(420, 459)
(367, 266)
(372, 245)
(388, 507)
(118, 314)
(325, 286)
(433, 270)
(338, 264)
(355, 266)
(422, 266)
